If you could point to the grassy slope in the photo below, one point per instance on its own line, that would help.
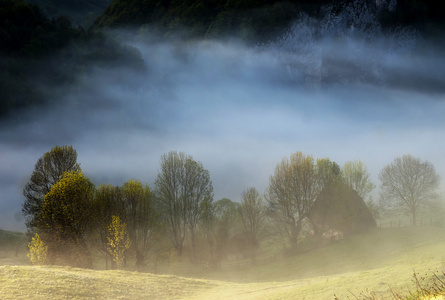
(13, 248)
(377, 261)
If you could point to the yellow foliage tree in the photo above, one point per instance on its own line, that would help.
(38, 251)
(118, 240)
(67, 218)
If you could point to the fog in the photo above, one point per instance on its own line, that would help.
(323, 88)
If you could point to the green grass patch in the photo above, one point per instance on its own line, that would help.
(13, 248)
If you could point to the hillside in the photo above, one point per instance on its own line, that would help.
(253, 20)
(80, 12)
(248, 20)
(13, 248)
(39, 56)
(379, 262)
(44, 55)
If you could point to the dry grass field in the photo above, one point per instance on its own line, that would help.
(375, 265)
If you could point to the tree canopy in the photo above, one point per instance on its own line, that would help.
(253, 216)
(408, 184)
(181, 187)
(47, 172)
(355, 174)
(292, 190)
(140, 216)
(67, 217)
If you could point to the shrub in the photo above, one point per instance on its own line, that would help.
(118, 240)
(38, 251)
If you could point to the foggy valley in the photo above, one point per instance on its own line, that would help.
(339, 85)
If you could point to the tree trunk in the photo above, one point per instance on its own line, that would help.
(140, 261)
(193, 241)
(179, 249)
(294, 241)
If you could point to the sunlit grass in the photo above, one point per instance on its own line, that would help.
(30, 282)
(377, 264)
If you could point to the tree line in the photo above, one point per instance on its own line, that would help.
(258, 20)
(68, 217)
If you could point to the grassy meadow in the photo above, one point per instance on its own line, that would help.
(377, 264)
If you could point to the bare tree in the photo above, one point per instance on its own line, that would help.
(141, 218)
(198, 189)
(181, 187)
(355, 174)
(253, 213)
(291, 193)
(407, 185)
(47, 171)
(169, 197)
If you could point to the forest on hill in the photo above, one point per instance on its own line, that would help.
(254, 20)
(239, 85)
(39, 57)
(80, 12)
(42, 54)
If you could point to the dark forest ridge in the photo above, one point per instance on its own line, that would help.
(253, 19)
(32, 38)
(80, 12)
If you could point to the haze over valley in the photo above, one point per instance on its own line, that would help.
(340, 87)
(208, 149)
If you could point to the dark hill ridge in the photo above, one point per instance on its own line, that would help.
(248, 19)
(30, 40)
(254, 19)
(79, 12)
(36, 51)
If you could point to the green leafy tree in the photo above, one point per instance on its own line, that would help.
(66, 219)
(38, 251)
(227, 221)
(408, 184)
(219, 221)
(47, 172)
(118, 240)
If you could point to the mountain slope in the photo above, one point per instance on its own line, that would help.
(248, 19)
(251, 19)
(80, 12)
(38, 55)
